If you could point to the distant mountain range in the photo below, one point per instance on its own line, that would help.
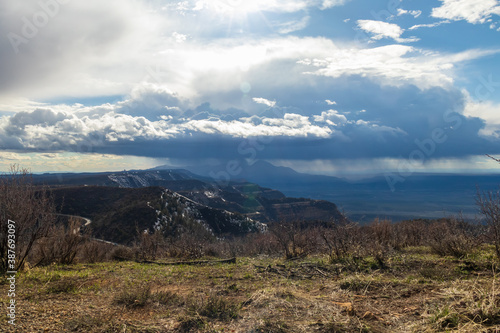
(416, 196)
(118, 203)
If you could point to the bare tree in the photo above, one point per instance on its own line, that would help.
(288, 235)
(489, 205)
(493, 158)
(31, 208)
(342, 239)
(61, 245)
(148, 244)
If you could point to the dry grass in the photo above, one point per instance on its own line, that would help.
(473, 306)
(416, 292)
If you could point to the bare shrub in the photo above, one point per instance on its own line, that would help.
(409, 233)
(94, 251)
(452, 237)
(123, 253)
(30, 207)
(260, 244)
(149, 246)
(342, 240)
(489, 205)
(190, 241)
(60, 246)
(378, 240)
(186, 246)
(291, 238)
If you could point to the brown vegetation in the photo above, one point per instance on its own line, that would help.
(416, 291)
(336, 276)
(30, 207)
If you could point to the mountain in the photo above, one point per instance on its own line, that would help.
(268, 175)
(260, 172)
(417, 196)
(120, 202)
(117, 214)
(125, 179)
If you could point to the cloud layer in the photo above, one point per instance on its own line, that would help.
(384, 130)
(197, 79)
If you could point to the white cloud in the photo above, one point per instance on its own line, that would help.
(329, 102)
(487, 111)
(332, 3)
(291, 26)
(414, 13)
(331, 117)
(291, 125)
(76, 52)
(105, 129)
(473, 11)
(381, 29)
(55, 129)
(430, 25)
(87, 65)
(198, 70)
(264, 101)
(179, 38)
(76, 128)
(393, 65)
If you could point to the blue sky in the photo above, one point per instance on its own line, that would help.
(323, 86)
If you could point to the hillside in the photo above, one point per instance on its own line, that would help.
(118, 213)
(115, 212)
(118, 202)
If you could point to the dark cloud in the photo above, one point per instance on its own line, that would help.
(363, 125)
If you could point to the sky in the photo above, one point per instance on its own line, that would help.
(322, 86)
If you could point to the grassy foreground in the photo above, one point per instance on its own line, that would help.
(416, 291)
